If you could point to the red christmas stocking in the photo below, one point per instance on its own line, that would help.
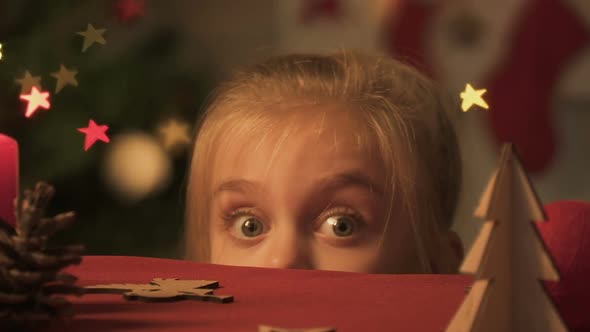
(408, 33)
(520, 92)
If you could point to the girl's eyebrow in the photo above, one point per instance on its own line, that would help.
(352, 178)
(237, 185)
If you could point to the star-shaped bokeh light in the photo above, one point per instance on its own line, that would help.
(175, 134)
(28, 81)
(472, 97)
(65, 77)
(94, 133)
(35, 100)
(91, 36)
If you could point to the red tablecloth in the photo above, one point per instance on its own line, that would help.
(285, 298)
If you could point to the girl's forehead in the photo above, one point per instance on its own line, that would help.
(329, 127)
(316, 134)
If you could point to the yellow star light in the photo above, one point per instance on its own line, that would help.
(472, 97)
(65, 77)
(91, 36)
(175, 134)
(28, 81)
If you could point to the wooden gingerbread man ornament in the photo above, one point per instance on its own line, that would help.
(165, 290)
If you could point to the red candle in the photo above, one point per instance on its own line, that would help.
(8, 178)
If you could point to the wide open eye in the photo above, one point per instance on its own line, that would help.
(244, 224)
(341, 225)
(250, 226)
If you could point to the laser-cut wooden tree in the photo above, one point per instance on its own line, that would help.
(509, 259)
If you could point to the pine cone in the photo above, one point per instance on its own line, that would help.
(30, 278)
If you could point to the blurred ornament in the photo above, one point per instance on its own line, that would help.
(472, 97)
(65, 77)
(0, 51)
(175, 135)
(136, 166)
(93, 133)
(28, 81)
(128, 10)
(35, 100)
(91, 36)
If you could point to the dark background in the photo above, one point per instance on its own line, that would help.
(134, 86)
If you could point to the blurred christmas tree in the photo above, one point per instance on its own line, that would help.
(134, 83)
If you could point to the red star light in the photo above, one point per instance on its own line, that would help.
(128, 10)
(93, 133)
(35, 100)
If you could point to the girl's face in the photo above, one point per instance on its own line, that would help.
(313, 200)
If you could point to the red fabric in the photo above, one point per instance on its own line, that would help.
(285, 298)
(8, 178)
(567, 236)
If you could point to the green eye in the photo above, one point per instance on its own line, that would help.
(252, 227)
(342, 226)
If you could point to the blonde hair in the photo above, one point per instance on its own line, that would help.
(406, 114)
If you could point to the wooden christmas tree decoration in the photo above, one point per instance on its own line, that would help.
(163, 290)
(509, 259)
(31, 284)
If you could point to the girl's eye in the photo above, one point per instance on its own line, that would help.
(341, 224)
(244, 225)
(252, 227)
